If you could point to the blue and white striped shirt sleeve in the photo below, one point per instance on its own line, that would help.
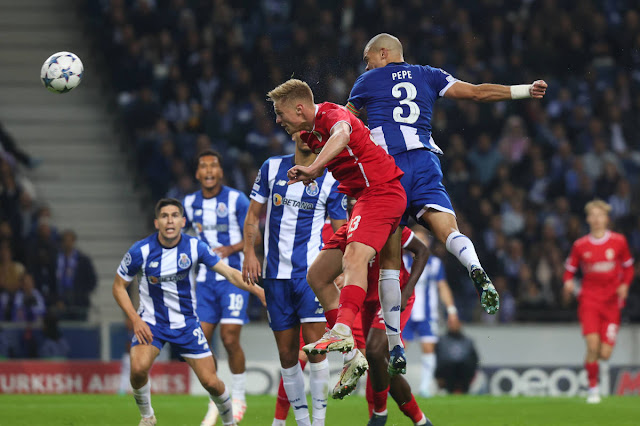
(337, 204)
(206, 255)
(130, 264)
(260, 191)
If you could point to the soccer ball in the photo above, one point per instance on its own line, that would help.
(61, 72)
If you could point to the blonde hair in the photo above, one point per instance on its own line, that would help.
(597, 204)
(290, 90)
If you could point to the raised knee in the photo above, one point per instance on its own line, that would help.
(287, 359)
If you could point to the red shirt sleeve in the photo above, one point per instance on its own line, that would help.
(627, 262)
(334, 116)
(572, 263)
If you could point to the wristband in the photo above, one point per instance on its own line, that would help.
(521, 91)
(452, 310)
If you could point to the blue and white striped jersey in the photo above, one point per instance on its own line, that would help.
(168, 282)
(425, 306)
(218, 221)
(399, 100)
(295, 217)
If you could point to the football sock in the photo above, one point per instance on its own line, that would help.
(238, 386)
(428, 369)
(369, 394)
(351, 299)
(278, 422)
(318, 379)
(592, 373)
(294, 385)
(380, 401)
(143, 400)
(125, 372)
(225, 409)
(390, 297)
(331, 317)
(461, 247)
(411, 410)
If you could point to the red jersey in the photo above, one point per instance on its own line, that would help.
(605, 263)
(373, 275)
(362, 163)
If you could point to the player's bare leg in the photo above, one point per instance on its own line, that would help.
(318, 373)
(324, 270)
(390, 299)
(211, 417)
(593, 343)
(355, 262)
(444, 227)
(205, 370)
(142, 357)
(288, 342)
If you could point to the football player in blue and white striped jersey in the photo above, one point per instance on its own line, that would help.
(216, 214)
(293, 239)
(166, 261)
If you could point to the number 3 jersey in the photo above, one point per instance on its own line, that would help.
(399, 100)
(168, 281)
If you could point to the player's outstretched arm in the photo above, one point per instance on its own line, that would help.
(495, 92)
(421, 255)
(340, 135)
(140, 328)
(235, 277)
(251, 268)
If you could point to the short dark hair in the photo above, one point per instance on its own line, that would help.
(207, 153)
(168, 202)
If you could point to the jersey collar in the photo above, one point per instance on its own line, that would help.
(600, 240)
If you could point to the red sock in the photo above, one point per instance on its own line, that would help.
(592, 373)
(369, 394)
(380, 400)
(331, 317)
(411, 410)
(351, 299)
(282, 403)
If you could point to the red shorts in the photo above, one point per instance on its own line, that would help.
(376, 214)
(601, 318)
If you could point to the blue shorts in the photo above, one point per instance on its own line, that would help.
(422, 181)
(188, 341)
(426, 330)
(220, 302)
(291, 302)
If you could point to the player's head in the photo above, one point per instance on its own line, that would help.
(169, 219)
(301, 145)
(597, 215)
(209, 169)
(68, 240)
(294, 105)
(382, 50)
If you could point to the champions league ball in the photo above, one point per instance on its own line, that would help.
(61, 72)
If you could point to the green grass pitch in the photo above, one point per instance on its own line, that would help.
(69, 410)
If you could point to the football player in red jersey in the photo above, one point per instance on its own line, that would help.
(607, 269)
(366, 172)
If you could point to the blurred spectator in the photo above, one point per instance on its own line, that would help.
(53, 345)
(28, 303)
(75, 279)
(457, 362)
(11, 274)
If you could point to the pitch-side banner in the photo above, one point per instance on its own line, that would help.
(554, 381)
(85, 377)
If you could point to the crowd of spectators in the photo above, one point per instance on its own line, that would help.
(43, 276)
(193, 74)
